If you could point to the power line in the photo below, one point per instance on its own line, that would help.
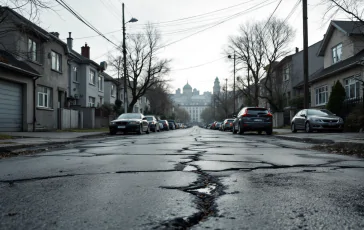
(223, 21)
(83, 20)
(192, 67)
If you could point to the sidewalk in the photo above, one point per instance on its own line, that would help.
(21, 141)
(320, 138)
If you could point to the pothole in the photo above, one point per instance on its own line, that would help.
(208, 190)
(190, 168)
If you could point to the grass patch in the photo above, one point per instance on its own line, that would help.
(85, 130)
(5, 137)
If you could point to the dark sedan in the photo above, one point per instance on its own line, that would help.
(153, 123)
(316, 119)
(129, 122)
(253, 119)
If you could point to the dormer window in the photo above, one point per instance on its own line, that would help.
(336, 53)
(32, 50)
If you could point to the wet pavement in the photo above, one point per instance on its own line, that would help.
(183, 179)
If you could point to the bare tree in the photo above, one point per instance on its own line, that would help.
(352, 8)
(145, 68)
(258, 47)
(159, 100)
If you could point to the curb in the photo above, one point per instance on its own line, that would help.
(307, 140)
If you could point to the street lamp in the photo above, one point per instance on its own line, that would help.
(234, 79)
(124, 64)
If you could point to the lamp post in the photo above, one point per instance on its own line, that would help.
(234, 79)
(124, 64)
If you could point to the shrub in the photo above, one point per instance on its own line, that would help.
(337, 98)
(355, 120)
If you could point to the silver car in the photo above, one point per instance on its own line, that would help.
(316, 119)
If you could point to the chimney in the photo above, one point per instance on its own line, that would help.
(56, 34)
(297, 50)
(70, 41)
(85, 51)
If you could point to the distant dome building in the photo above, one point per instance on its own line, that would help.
(192, 101)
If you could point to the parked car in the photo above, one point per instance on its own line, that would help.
(165, 124)
(153, 123)
(228, 124)
(130, 122)
(253, 119)
(213, 125)
(316, 119)
(218, 125)
(172, 124)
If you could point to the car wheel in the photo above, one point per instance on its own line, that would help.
(308, 128)
(240, 130)
(148, 130)
(260, 132)
(293, 128)
(140, 131)
(269, 131)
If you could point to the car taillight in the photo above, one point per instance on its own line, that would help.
(270, 115)
(245, 114)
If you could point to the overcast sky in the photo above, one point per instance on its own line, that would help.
(201, 48)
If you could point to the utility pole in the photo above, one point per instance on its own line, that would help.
(234, 83)
(124, 67)
(305, 55)
(118, 86)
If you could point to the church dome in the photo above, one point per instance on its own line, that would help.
(187, 86)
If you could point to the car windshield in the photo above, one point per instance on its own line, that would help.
(149, 118)
(316, 112)
(130, 116)
(256, 111)
(230, 120)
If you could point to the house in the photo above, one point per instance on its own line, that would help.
(47, 55)
(86, 81)
(17, 96)
(342, 51)
(110, 89)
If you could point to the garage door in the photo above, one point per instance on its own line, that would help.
(10, 106)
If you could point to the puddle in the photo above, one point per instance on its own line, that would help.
(190, 168)
(208, 190)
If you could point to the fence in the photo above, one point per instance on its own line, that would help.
(349, 105)
(69, 119)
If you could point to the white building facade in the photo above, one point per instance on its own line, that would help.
(192, 101)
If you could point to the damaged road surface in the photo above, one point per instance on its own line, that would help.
(183, 179)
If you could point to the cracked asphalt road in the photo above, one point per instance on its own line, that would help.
(183, 179)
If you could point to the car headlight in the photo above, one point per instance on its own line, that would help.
(112, 123)
(133, 123)
(341, 120)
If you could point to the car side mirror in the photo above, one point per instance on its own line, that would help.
(234, 116)
(303, 115)
(144, 118)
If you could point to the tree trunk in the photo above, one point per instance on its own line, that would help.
(131, 105)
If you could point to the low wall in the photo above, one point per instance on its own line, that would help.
(68, 119)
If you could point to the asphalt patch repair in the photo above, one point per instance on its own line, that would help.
(342, 148)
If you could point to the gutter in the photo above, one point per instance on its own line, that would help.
(34, 101)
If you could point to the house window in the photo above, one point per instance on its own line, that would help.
(92, 77)
(352, 88)
(113, 90)
(91, 101)
(286, 73)
(44, 97)
(32, 50)
(336, 53)
(75, 70)
(56, 61)
(322, 95)
(100, 83)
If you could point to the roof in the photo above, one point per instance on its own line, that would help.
(9, 61)
(187, 86)
(24, 23)
(107, 77)
(349, 28)
(336, 68)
